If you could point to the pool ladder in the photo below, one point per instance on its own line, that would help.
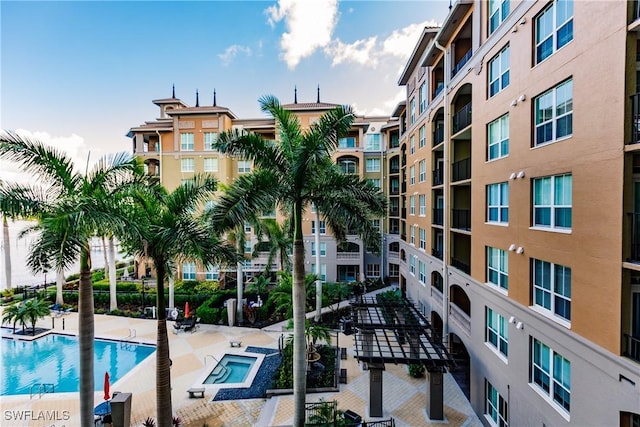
(127, 345)
(43, 388)
(222, 367)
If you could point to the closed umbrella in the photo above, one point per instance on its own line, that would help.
(186, 309)
(106, 386)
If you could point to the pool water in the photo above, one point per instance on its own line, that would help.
(231, 369)
(54, 359)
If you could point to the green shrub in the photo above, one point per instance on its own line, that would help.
(97, 275)
(416, 370)
(208, 314)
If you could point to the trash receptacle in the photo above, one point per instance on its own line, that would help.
(352, 418)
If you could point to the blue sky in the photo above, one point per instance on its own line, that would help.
(80, 74)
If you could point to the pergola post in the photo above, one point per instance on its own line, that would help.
(375, 389)
(435, 400)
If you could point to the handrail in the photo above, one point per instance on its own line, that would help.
(224, 368)
(43, 388)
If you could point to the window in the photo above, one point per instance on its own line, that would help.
(323, 271)
(552, 201)
(498, 138)
(247, 227)
(394, 270)
(349, 142)
(423, 139)
(497, 267)
(348, 166)
(212, 273)
(554, 113)
(210, 138)
(423, 97)
(244, 166)
(423, 239)
(422, 271)
(373, 165)
(323, 249)
(553, 28)
(412, 265)
(323, 228)
(498, 12)
(412, 235)
(373, 270)
(211, 164)
(375, 182)
(497, 331)
(495, 407)
(499, 72)
(422, 166)
(422, 202)
(498, 203)
(551, 374)
(187, 165)
(412, 205)
(412, 144)
(413, 110)
(188, 271)
(552, 288)
(372, 142)
(186, 141)
(412, 175)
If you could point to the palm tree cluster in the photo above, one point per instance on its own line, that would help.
(23, 312)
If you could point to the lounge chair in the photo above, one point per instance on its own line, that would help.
(188, 324)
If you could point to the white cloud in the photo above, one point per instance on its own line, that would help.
(310, 25)
(234, 50)
(359, 52)
(384, 109)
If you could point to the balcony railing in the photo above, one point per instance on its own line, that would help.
(632, 347)
(394, 212)
(636, 10)
(460, 265)
(439, 87)
(461, 219)
(635, 237)
(461, 170)
(437, 176)
(436, 253)
(403, 213)
(635, 117)
(394, 255)
(394, 168)
(460, 64)
(438, 135)
(436, 295)
(459, 317)
(437, 216)
(347, 255)
(462, 118)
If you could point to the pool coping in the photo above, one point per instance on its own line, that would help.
(214, 388)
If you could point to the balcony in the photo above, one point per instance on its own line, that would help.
(437, 296)
(437, 216)
(394, 168)
(437, 253)
(462, 118)
(394, 211)
(439, 87)
(634, 256)
(632, 347)
(461, 170)
(438, 135)
(636, 9)
(460, 64)
(460, 318)
(347, 255)
(460, 265)
(394, 191)
(461, 219)
(437, 177)
(403, 213)
(635, 117)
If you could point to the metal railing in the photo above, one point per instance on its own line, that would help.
(462, 118)
(461, 265)
(438, 135)
(461, 170)
(632, 347)
(42, 388)
(635, 237)
(436, 253)
(636, 9)
(461, 219)
(460, 64)
(438, 216)
(437, 176)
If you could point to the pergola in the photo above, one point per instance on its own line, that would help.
(394, 331)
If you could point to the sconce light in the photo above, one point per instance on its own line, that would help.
(512, 319)
(522, 98)
(520, 174)
(512, 176)
(514, 102)
(520, 325)
(520, 250)
(514, 30)
(523, 21)
(512, 247)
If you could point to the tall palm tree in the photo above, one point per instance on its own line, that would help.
(6, 246)
(278, 242)
(170, 232)
(69, 207)
(292, 174)
(35, 309)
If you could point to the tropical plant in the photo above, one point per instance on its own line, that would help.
(278, 242)
(325, 414)
(293, 174)
(314, 332)
(34, 310)
(69, 207)
(336, 293)
(168, 232)
(14, 313)
(6, 246)
(416, 370)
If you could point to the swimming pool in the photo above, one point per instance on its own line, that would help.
(54, 359)
(231, 369)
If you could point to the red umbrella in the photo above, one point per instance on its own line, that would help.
(186, 309)
(106, 386)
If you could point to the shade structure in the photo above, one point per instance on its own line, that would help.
(186, 309)
(106, 386)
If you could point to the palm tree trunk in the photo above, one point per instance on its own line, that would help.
(6, 244)
(240, 285)
(163, 367)
(299, 353)
(104, 255)
(85, 338)
(111, 263)
(319, 280)
(60, 282)
(172, 284)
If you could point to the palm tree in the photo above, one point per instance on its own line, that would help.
(35, 309)
(292, 174)
(6, 246)
(170, 232)
(70, 207)
(278, 242)
(14, 313)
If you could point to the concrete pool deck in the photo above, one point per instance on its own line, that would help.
(404, 397)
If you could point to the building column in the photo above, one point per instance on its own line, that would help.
(435, 399)
(375, 389)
